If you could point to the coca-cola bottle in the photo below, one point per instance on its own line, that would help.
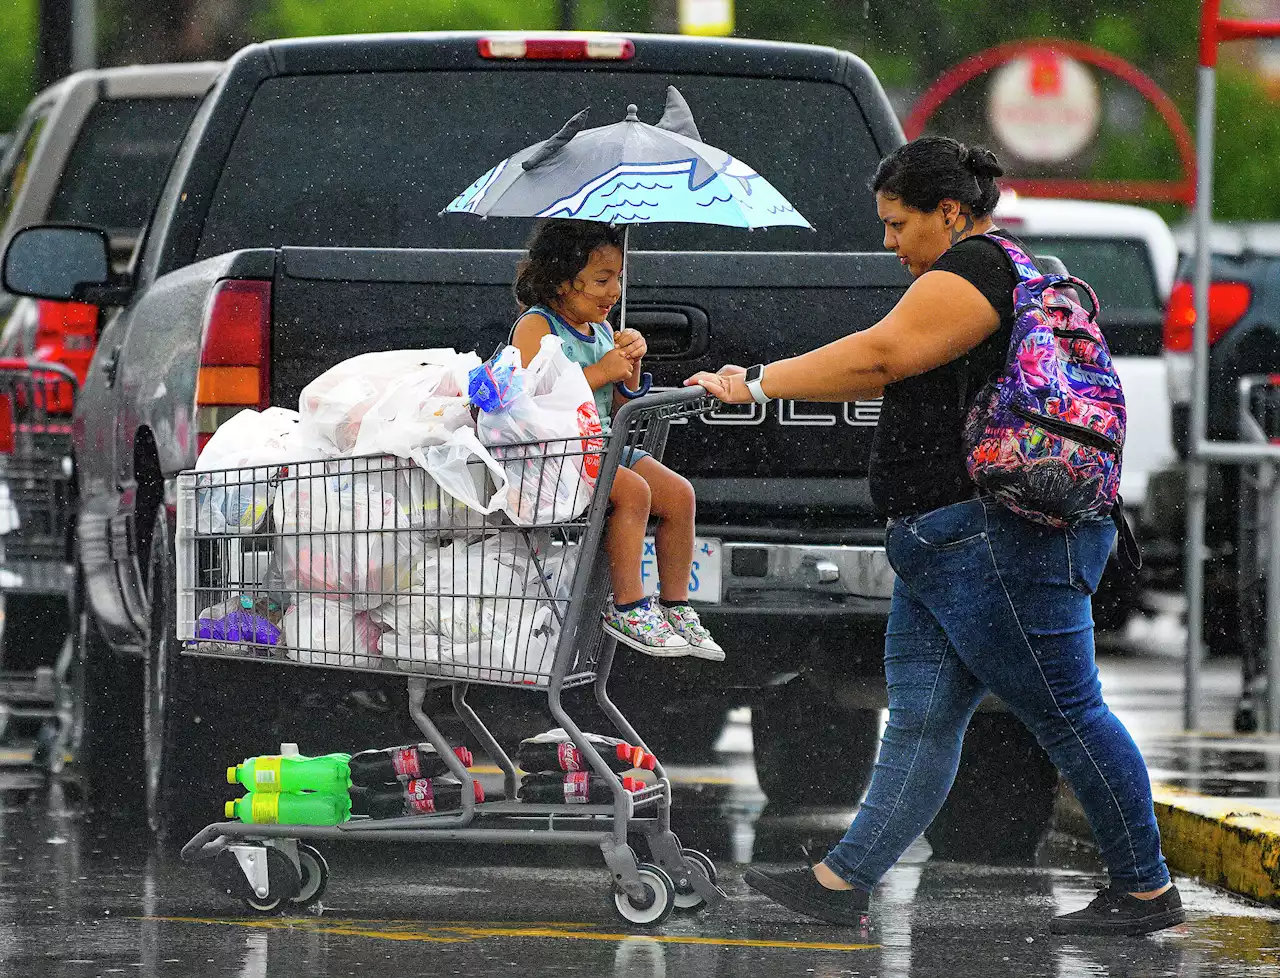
(574, 788)
(402, 764)
(554, 751)
(421, 796)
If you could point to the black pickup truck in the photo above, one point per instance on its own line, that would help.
(300, 227)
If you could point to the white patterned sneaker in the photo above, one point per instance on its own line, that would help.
(684, 620)
(644, 628)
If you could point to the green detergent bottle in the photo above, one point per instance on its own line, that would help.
(285, 773)
(257, 808)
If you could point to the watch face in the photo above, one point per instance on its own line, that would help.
(754, 373)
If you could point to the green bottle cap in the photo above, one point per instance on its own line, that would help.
(230, 808)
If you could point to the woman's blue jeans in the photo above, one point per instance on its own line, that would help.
(988, 601)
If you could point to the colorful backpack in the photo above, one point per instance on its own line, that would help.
(1046, 437)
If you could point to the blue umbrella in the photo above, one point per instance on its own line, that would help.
(629, 173)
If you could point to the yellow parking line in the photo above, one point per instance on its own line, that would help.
(463, 932)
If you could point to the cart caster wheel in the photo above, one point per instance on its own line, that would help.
(660, 898)
(687, 897)
(315, 877)
(283, 882)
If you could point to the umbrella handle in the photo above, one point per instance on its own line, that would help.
(646, 382)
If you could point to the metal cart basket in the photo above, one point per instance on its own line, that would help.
(366, 564)
(37, 509)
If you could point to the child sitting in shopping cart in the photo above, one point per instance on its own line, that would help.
(570, 279)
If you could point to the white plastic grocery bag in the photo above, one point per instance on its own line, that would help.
(465, 470)
(255, 445)
(549, 440)
(330, 633)
(487, 606)
(388, 403)
(341, 533)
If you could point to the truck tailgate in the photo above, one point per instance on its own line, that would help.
(697, 310)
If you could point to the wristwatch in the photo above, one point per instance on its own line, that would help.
(754, 378)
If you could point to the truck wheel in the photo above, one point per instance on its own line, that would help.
(1001, 805)
(808, 751)
(107, 751)
(196, 720)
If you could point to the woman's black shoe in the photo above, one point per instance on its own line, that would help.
(1116, 912)
(799, 890)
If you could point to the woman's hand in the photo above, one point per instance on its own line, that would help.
(630, 344)
(729, 384)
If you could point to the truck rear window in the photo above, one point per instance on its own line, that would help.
(119, 161)
(370, 160)
(1119, 270)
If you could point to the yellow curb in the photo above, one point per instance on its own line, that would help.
(1224, 842)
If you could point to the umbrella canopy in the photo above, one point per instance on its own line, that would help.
(629, 173)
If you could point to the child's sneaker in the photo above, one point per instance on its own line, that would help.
(644, 628)
(684, 620)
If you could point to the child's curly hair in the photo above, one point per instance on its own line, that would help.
(558, 251)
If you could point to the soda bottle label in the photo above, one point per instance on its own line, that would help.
(267, 771)
(570, 758)
(405, 762)
(420, 794)
(577, 788)
(266, 809)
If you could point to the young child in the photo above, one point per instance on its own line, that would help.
(566, 286)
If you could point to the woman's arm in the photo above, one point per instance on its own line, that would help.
(941, 317)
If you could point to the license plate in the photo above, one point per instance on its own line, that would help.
(704, 578)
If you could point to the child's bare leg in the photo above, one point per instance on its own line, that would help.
(675, 506)
(624, 535)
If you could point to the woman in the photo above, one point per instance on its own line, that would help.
(985, 600)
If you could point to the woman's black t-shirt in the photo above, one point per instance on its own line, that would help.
(917, 455)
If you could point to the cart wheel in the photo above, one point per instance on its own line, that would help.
(283, 882)
(660, 896)
(687, 897)
(315, 877)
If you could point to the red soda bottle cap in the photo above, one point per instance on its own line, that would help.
(632, 784)
(479, 790)
(464, 755)
(647, 762)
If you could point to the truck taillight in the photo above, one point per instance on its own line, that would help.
(1228, 302)
(517, 47)
(235, 359)
(66, 333)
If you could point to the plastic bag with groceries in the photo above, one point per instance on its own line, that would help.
(240, 465)
(388, 403)
(547, 437)
(341, 532)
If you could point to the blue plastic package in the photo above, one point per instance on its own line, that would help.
(492, 386)
(238, 626)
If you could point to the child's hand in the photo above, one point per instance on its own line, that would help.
(630, 344)
(617, 366)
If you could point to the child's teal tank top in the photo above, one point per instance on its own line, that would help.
(585, 351)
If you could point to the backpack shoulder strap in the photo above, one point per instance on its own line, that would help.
(1024, 266)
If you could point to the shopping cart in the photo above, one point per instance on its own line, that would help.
(365, 564)
(37, 497)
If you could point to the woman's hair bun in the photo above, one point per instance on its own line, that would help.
(981, 162)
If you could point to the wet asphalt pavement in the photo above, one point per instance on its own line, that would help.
(85, 895)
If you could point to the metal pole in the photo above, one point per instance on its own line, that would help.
(1197, 470)
(622, 311)
(84, 34)
(1273, 600)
